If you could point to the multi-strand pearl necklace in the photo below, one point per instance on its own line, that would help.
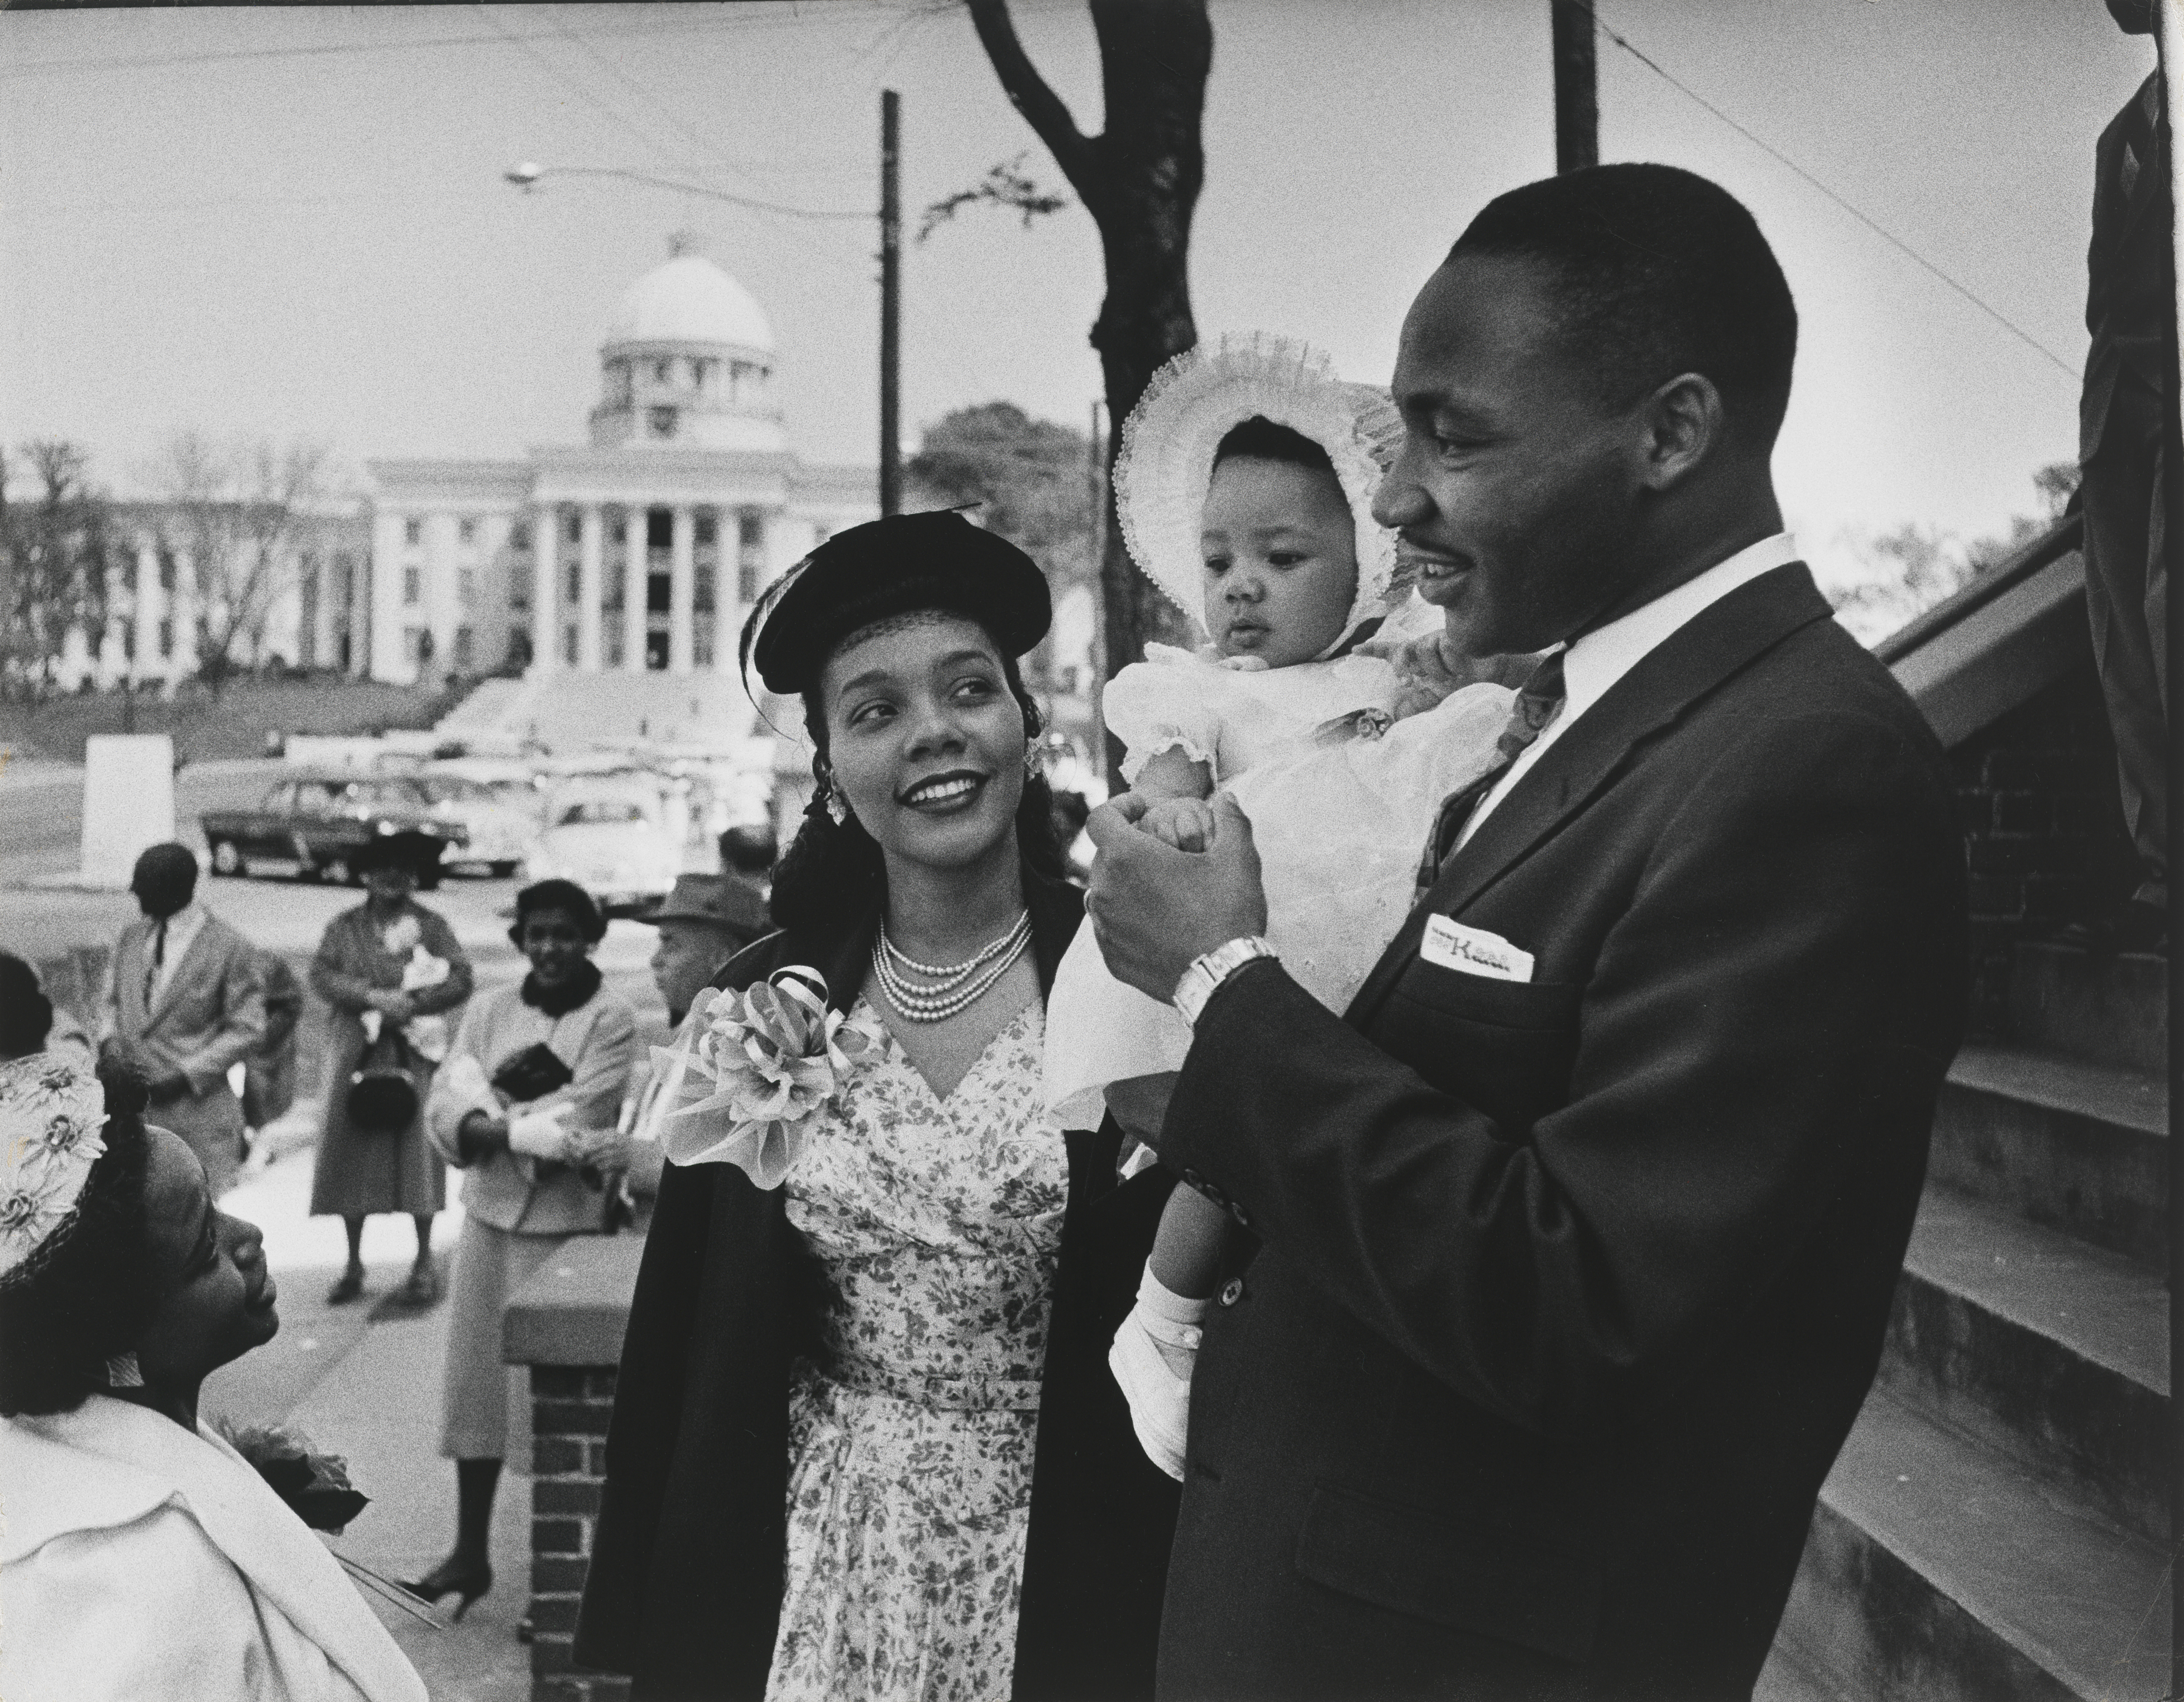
(947, 988)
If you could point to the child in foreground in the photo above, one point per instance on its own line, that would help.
(1245, 488)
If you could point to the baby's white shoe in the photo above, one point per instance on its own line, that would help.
(1163, 1328)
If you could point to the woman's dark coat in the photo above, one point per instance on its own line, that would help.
(688, 1557)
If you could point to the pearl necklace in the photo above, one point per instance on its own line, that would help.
(949, 988)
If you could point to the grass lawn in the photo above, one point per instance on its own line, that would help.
(206, 729)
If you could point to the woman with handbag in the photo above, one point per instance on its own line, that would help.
(526, 1107)
(391, 969)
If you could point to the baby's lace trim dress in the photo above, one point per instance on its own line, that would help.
(937, 1223)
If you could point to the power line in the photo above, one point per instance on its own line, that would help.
(580, 91)
(1880, 230)
(705, 190)
(659, 106)
(147, 61)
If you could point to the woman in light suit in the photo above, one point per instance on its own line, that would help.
(526, 1106)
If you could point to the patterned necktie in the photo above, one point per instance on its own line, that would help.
(1539, 701)
(158, 959)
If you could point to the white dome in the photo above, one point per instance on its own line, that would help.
(689, 299)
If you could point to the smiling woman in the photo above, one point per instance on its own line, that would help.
(863, 1443)
(151, 1560)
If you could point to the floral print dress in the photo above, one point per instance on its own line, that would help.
(937, 1222)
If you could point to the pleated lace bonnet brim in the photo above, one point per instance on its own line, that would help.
(1166, 461)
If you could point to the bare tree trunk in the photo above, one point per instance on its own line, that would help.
(1140, 180)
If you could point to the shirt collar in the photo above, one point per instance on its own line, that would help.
(1596, 660)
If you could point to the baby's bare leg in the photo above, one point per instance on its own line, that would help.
(1187, 1247)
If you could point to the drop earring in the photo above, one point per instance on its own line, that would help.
(838, 811)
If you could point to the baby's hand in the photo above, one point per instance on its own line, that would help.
(1186, 823)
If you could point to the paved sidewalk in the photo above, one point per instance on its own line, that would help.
(371, 1392)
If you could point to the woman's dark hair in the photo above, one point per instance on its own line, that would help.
(26, 1015)
(1260, 439)
(558, 894)
(86, 1295)
(830, 864)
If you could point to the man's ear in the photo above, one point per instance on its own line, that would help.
(1683, 424)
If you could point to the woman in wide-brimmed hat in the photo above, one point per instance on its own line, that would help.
(864, 1444)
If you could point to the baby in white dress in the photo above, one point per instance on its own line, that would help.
(1245, 488)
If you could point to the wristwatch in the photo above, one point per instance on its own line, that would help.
(1211, 969)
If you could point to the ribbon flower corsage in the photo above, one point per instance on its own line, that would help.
(748, 1072)
(316, 1489)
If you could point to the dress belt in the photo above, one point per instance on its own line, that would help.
(935, 1393)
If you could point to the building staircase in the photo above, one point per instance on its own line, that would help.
(1996, 1527)
(569, 710)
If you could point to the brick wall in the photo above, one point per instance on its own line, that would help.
(2044, 831)
(570, 1406)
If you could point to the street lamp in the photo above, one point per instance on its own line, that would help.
(527, 175)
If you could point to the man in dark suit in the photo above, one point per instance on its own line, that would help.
(2130, 296)
(1568, 1249)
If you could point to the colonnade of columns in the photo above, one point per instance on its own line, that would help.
(571, 611)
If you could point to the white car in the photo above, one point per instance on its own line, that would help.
(500, 832)
(613, 841)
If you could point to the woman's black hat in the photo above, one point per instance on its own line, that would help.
(406, 849)
(891, 566)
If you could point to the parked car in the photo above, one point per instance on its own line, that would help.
(313, 824)
(497, 831)
(612, 838)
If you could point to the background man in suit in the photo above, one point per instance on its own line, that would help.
(2131, 295)
(185, 1000)
(1569, 1247)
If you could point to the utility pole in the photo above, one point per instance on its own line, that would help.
(890, 302)
(1577, 86)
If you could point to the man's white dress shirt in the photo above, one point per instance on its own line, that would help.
(182, 929)
(1594, 662)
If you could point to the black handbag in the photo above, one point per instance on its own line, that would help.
(531, 1073)
(382, 1096)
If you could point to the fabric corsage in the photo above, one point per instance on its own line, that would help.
(747, 1073)
(315, 1487)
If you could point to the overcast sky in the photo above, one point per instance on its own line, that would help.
(202, 224)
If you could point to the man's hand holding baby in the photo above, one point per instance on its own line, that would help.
(1186, 823)
(1153, 909)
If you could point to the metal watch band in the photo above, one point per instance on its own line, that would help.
(1210, 969)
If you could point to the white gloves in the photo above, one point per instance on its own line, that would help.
(1161, 1330)
(540, 1135)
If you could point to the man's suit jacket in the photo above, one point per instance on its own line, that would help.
(2129, 266)
(210, 1014)
(1566, 1292)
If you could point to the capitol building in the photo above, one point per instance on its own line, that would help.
(639, 552)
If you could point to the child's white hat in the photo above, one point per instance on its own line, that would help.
(1166, 461)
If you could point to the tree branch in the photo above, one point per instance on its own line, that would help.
(1042, 108)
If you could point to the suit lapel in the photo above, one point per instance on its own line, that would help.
(1716, 642)
(201, 945)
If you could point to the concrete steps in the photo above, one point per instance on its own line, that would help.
(1938, 1570)
(2076, 1146)
(1995, 1528)
(2107, 1009)
(2053, 1352)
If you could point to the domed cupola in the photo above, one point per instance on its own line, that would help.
(687, 362)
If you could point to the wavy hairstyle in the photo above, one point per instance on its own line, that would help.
(829, 864)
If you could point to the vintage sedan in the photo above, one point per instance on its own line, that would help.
(612, 838)
(313, 824)
(497, 828)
